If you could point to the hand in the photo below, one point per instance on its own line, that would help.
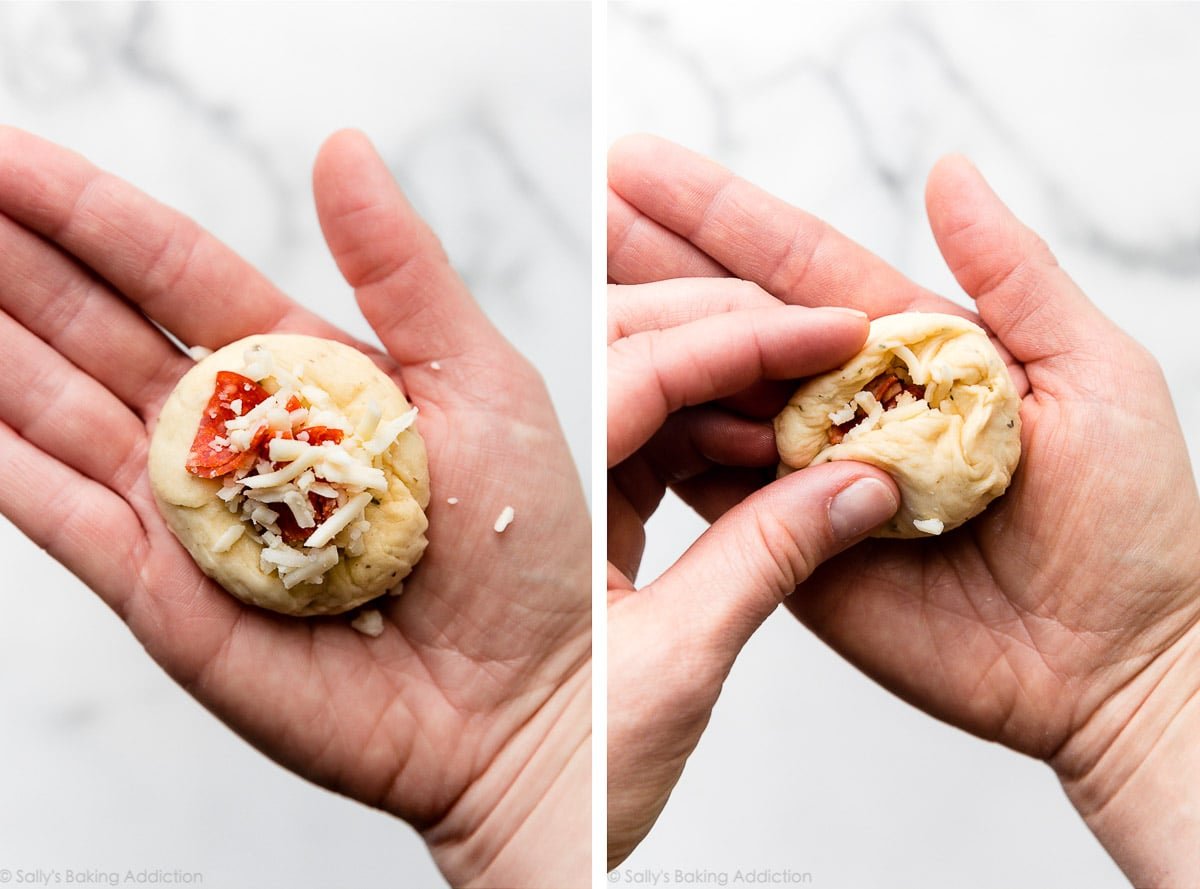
(470, 716)
(1062, 621)
(675, 349)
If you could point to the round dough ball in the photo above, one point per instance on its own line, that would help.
(950, 453)
(396, 538)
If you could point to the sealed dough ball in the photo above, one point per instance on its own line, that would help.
(929, 401)
(339, 394)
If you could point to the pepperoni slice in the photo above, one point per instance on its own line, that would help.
(320, 434)
(204, 460)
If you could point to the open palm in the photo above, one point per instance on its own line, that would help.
(469, 716)
(1061, 604)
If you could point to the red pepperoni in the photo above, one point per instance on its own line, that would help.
(321, 434)
(203, 460)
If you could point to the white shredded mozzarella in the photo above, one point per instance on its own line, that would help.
(227, 539)
(341, 518)
(321, 561)
(843, 415)
(263, 516)
(504, 519)
(929, 526)
(198, 353)
(301, 509)
(285, 473)
(286, 557)
(259, 363)
(284, 450)
(315, 395)
(452, 500)
(386, 434)
(369, 623)
(874, 411)
(369, 421)
(323, 490)
(337, 466)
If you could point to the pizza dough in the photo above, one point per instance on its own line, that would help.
(333, 381)
(949, 434)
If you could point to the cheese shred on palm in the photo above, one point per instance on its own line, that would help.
(349, 473)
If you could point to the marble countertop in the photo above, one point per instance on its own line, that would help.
(1080, 115)
(483, 114)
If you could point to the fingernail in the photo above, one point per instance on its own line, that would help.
(842, 310)
(858, 508)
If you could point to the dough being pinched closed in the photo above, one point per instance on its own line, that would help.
(291, 469)
(927, 400)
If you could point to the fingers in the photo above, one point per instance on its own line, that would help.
(719, 490)
(742, 228)
(640, 250)
(654, 306)
(1023, 295)
(177, 273)
(758, 552)
(51, 296)
(654, 373)
(690, 443)
(67, 414)
(405, 286)
(77, 521)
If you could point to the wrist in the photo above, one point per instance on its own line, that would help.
(525, 821)
(1133, 768)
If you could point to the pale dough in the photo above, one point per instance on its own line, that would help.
(951, 454)
(198, 518)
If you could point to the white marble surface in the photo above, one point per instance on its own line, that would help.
(1081, 116)
(482, 111)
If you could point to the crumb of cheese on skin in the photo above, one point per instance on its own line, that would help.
(504, 519)
(452, 500)
(369, 623)
(435, 365)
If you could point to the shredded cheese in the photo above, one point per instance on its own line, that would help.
(369, 623)
(341, 518)
(385, 436)
(369, 422)
(261, 493)
(504, 519)
(929, 526)
(225, 542)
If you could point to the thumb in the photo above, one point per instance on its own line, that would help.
(732, 578)
(1021, 292)
(404, 283)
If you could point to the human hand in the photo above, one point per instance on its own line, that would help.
(1062, 621)
(470, 716)
(689, 370)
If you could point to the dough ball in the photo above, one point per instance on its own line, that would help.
(355, 388)
(929, 401)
